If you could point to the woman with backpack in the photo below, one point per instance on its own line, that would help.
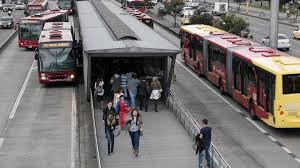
(99, 90)
(156, 92)
(135, 127)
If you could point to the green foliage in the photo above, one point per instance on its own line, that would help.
(202, 18)
(233, 24)
(173, 7)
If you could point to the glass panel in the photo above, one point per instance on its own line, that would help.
(55, 59)
(64, 4)
(30, 31)
(291, 84)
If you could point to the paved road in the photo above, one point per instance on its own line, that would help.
(165, 144)
(5, 33)
(258, 27)
(241, 143)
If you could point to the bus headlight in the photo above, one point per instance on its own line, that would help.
(43, 76)
(72, 76)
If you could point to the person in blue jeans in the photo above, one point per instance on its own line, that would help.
(110, 123)
(132, 89)
(205, 140)
(135, 127)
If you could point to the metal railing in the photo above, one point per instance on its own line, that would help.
(95, 130)
(193, 128)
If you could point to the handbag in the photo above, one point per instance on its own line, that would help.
(117, 131)
(141, 131)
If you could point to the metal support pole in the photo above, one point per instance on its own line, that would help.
(274, 23)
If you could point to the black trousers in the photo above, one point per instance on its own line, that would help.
(143, 101)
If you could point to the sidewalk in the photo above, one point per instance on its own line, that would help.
(165, 144)
(257, 12)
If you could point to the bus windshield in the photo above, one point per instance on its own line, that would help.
(30, 31)
(291, 84)
(56, 59)
(66, 4)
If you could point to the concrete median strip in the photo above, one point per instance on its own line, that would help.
(7, 40)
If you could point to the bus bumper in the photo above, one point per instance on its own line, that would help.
(56, 77)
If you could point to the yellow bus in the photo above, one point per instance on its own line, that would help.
(263, 80)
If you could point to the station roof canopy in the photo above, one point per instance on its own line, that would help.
(107, 30)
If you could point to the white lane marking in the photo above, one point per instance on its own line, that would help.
(73, 129)
(286, 149)
(256, 125)
(297, 159)
(20, 95)
(272, 138)
(1, 142)
(217, 94)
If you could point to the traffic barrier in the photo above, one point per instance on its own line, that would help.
(95, 130)
(193, 128)
(6, 41)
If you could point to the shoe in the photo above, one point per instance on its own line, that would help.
(156, 110)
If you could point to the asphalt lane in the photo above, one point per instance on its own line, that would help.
(39, 135)
(5, 33)
(14, 64)
(241, 143)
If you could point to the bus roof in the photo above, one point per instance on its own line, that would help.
(135, 0)
(57, 26)
(269, 59)
(44, 16)
(202, 30)
(229, 40)
(138, 14)
(55, 36)
(38, 2)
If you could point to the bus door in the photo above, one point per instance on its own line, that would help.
(263, 93)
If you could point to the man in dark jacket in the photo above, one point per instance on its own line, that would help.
(204, 138)
(143, 90)
(108, 109)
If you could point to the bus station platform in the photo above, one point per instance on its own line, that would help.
(165, 143)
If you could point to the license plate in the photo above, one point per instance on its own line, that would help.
(29, 46)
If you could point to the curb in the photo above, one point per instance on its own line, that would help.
(7, 40)
(288, 24)
(166, 28)
(258, 17)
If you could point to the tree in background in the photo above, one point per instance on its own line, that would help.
(201, 16)
(173, 8)
(232, 24)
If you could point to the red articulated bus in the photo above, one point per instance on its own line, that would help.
(56, 56)
(67, 5)
(30, 27)
(263, 80)
(36, 6)
(136, 4)
(141, 16)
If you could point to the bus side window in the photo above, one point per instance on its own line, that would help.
(252, 78)
(244, 78)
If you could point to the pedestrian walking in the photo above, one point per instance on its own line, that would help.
(132, 89)
(115, 82)
(107, 109)
(99, 90)
(143, 90)
(135, 127)
(110, 123)
(117, 95)
(122, 109)
(156, 92)
(204, 138)
(123, 84)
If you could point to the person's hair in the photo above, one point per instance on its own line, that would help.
(205, 121)
(138, 113)
(118, 90)
(109, 102)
